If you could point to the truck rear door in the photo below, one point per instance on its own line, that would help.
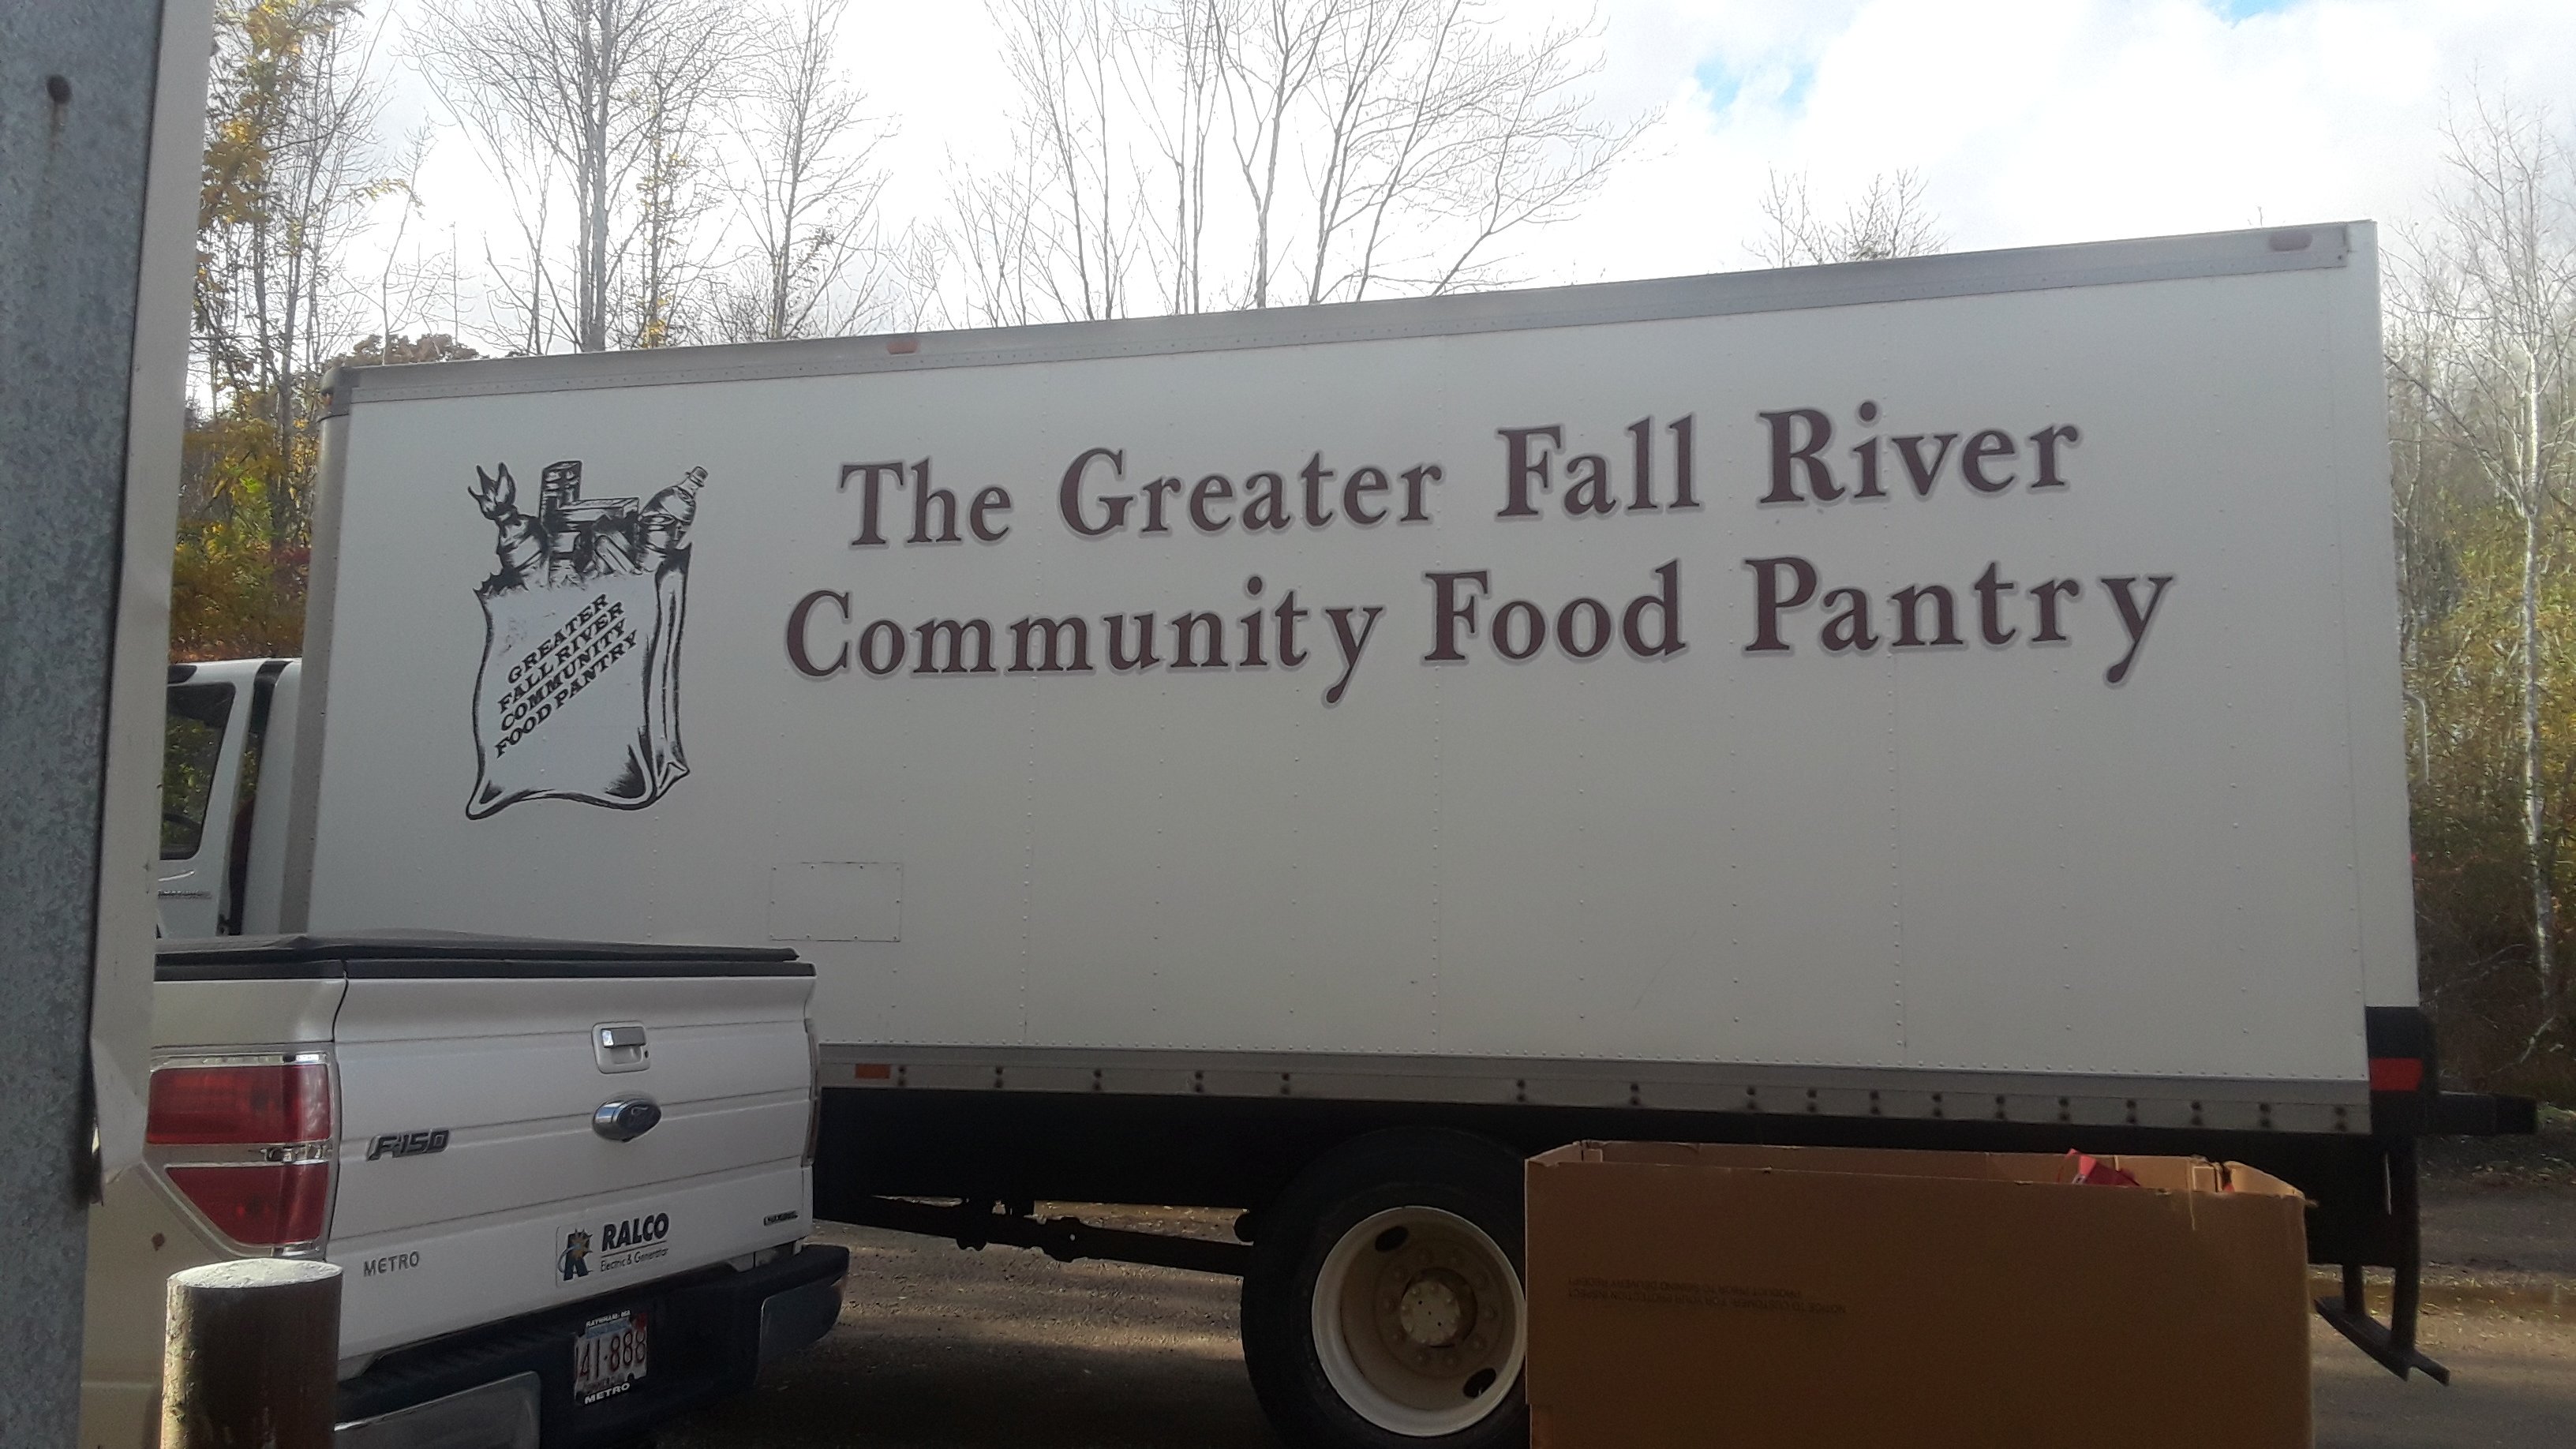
(217, 777)
(200, 772)
(527, 1124)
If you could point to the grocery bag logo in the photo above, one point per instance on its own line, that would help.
(578, 694)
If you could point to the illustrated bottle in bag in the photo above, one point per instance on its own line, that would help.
(667, 516)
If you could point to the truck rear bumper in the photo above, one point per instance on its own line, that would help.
(501, 1414)
(510, 1386)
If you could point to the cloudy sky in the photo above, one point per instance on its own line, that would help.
(2033, 121)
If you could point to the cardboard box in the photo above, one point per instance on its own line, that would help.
(1694, 1294)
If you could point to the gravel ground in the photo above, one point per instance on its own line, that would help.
(2500, 1296)
(2513, 1382)
(1002, 1349)
(1005, 1349)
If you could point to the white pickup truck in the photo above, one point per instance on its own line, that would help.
(565, 1182)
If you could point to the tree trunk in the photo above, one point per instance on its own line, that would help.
(782, 251)
(2534, 835)
(1269, 192)
(594, 236)
(593, 187)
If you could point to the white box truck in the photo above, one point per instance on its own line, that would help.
(1300, 761)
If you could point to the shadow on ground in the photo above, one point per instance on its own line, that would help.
(1003, 1349)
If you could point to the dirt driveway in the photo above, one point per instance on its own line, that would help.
(2500, 1237)
(1004, 1349)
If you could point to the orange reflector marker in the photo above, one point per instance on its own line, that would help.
(2396, 1074)
(871, 1072)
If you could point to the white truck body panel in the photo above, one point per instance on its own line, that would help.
(1975, 863)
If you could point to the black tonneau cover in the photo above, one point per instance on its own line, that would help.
(455, 954)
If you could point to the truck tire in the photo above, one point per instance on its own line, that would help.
(1383, 1306)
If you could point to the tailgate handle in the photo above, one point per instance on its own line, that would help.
(619, 1046)
(626, 1119)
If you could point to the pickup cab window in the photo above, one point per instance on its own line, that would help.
(190, 750)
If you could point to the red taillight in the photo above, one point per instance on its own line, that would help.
(2396, 1074)
(261, 1204)
(248, 1144)
(240, 1105)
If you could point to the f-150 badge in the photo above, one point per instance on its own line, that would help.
(407, 1144)
(578, 695)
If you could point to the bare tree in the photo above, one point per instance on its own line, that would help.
(2415, 496)
(1384, 86)
(1380, 146)
(406, 286)
(1065, 58)
(990, 241)
(1891, 218)
(816, 264)
(1184, 40)
(599, 94)
(658, 291)
(1434, 135)
(1528, 155)
(2488, 294)
(290, 173)
(530, 298)
(1268, 61)
(1054, 232)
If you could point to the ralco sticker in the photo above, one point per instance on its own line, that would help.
(606, 1247)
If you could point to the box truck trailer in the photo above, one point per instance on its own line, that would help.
(1301, 761)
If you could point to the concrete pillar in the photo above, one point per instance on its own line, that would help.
(84, 108)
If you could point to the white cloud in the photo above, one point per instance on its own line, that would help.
(2034, 121)
(2040, 121)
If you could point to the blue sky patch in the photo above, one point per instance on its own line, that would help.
(1724, 84)
(2236, 10)
(1801, 77)
(1720, 82)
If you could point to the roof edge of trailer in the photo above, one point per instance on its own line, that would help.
(1847, 284)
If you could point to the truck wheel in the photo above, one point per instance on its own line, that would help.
(1383, 1304)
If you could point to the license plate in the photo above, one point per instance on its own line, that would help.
(608, 1356)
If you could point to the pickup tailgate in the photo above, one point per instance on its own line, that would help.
(527, 1124)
